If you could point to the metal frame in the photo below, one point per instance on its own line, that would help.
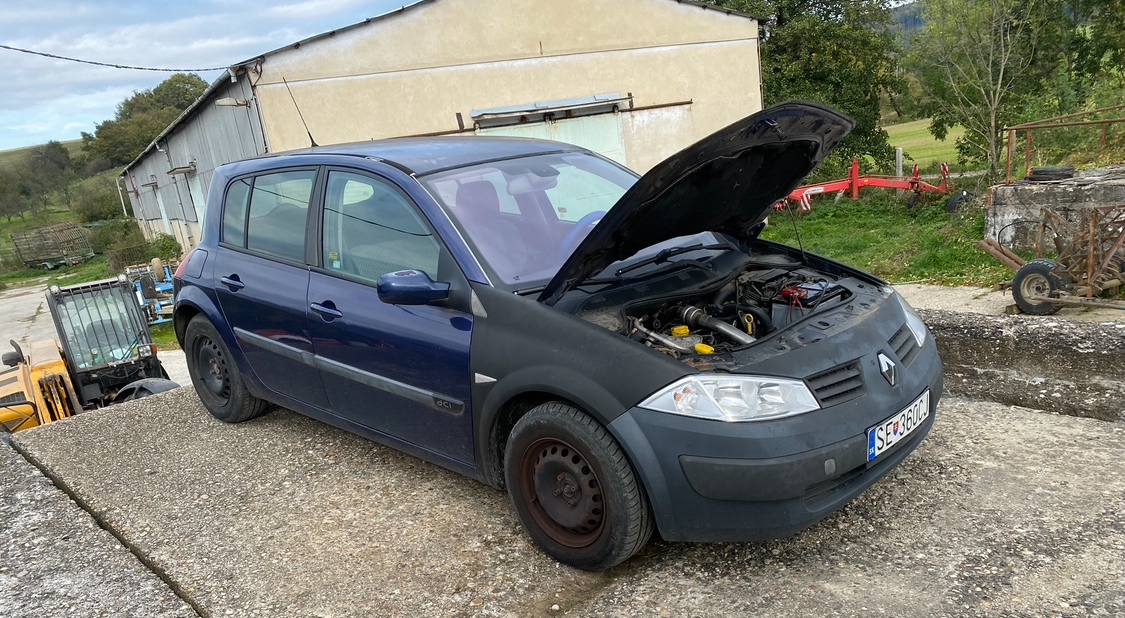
(1053, 123)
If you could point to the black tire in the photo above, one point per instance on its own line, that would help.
(215, 375)
(956, 201)
(573, 489)
(1038, 277)
(1050, 173)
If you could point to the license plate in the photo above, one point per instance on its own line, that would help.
(890, 432)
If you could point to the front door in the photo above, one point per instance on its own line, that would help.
(400, 370)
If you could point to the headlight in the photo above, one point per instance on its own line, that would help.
(913, 322)
(733, 398)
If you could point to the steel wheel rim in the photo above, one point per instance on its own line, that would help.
(213, 369)
(562, 492)
(1034, 284)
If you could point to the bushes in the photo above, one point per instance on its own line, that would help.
(97, 200)
(165, 247)
(115, 234)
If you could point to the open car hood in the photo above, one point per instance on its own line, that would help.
(725, 182)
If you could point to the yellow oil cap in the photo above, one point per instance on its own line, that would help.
(680, 331)
(703, 348)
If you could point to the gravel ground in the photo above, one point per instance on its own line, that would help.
(966, 299)
(56, 561)
(1001, 512)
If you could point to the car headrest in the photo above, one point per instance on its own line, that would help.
(478, 198)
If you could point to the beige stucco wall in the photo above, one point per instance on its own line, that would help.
(410, 73)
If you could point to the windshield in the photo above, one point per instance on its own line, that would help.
(99, 327)
(523, 217)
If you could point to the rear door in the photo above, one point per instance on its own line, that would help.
(262, 279)
(400, 370)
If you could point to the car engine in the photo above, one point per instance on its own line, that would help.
(769, 293)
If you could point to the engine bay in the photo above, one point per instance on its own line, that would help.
(769, 293)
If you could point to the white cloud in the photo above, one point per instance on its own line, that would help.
(43, 99)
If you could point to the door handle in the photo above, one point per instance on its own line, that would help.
(326, 312)
(232, 282)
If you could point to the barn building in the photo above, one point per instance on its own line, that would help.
(635, 80)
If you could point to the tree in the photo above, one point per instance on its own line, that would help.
(13, 202)
(973, 58)
(49, 169)
(834, 52)
(140, 118)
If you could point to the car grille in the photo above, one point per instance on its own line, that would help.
(837, 385)
(904, 345)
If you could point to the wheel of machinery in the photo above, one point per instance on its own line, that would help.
(574, 490)
(215, 375)
(1039, 277)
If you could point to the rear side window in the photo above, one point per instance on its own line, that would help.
(279, 207)
(234, 212)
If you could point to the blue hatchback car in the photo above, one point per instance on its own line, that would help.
(621, 354)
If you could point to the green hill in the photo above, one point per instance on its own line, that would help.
(12, 157)
(915, 140)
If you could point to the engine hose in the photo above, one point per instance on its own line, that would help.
(693, 316)
(762, 321)
(724, 293)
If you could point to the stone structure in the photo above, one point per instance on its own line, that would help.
(1015, 210)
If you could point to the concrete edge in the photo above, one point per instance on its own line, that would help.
(104, 524)
(1045, 363)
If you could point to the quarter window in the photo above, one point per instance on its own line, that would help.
(371, 228)
(234, 212)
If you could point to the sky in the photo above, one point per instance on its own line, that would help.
(43, 99)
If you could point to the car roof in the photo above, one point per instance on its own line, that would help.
(426, 155)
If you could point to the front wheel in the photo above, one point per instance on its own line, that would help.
(574, 490)
(215, 375)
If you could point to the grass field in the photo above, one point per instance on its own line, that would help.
(879, 234)
(915, 140)
(12, 157)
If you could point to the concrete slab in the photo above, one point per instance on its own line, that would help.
(985, 301)
(24, 316)
(56, 561)
(1002, 511)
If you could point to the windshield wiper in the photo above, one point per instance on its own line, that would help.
(663, 255)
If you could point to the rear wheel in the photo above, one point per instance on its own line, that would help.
(215, 375)
(574, 490)
(1038, 277)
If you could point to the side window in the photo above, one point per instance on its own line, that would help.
(279, 207)
(371, 228)
(234, 212)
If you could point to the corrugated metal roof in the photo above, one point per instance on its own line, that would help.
(240, 66)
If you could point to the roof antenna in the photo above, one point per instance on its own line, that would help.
(302, 116)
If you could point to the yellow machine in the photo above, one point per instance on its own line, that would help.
(36, 391)
(104, 354)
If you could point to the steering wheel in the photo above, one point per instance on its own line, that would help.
(575, 236)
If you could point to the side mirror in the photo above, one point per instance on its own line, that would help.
(11, 359)
(411, 287)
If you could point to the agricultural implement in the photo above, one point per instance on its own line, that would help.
(49, 247)
(1091, 251)
(856, 182)
(104, 354)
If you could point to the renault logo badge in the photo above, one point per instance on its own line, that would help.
(888, 368)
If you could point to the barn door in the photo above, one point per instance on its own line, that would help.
(600, 133)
